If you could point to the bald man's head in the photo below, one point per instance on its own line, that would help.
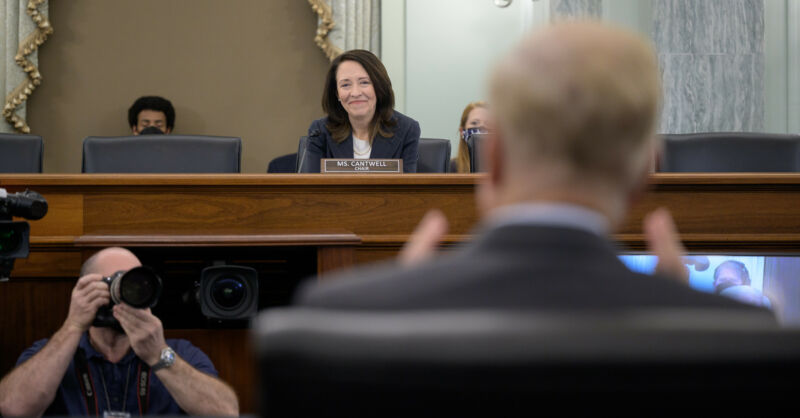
(582, 97)
(109, 261)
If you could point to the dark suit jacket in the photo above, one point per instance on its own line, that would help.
(512, 267)
(403, 144)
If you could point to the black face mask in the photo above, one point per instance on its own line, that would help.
(151, 130)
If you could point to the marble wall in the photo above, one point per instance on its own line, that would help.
(576, 8)
(711, 54)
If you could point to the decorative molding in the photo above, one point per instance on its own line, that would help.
(27, 47)
(325, 25)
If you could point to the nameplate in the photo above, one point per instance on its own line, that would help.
(352, 165)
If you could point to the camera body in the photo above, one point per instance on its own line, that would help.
(139, 287)
(14, 235)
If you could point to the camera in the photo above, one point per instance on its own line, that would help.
(15, 236)
(228, 292)
(139, 287)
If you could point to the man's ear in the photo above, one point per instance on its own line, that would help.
(135, 130)
(168, 130)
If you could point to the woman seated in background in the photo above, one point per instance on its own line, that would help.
(474, 119)
(361, 121)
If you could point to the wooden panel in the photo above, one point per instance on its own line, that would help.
(261, 240)
(715, 212)
(48, 264)
(333, 258)
(29, 311)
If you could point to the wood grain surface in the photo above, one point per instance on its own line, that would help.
(351, 219)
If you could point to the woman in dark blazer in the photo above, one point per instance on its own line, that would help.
(361, 121)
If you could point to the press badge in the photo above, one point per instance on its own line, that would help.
(116, 414)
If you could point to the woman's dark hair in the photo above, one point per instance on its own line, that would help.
(155, 103)
(338, 121)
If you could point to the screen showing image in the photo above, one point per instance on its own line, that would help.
(769, 281)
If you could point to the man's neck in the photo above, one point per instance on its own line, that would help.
(113, 345)
(603, 203)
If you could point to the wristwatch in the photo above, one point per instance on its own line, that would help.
(166, 360)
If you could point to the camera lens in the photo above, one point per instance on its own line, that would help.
(140, 288)
(228, 292)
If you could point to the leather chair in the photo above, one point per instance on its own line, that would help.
(283, 164)
(434, 155)
(21, 153)
(492, 363)
(730, 152)
(162, 154)
(476, 144)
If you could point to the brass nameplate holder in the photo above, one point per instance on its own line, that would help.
(352, 165)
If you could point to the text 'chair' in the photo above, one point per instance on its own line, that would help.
(162, 154)
(730, 152)
(20, 153)
(493, 363)
(434, 155)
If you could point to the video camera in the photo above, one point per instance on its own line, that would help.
(15, 235)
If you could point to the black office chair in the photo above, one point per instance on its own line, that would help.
(476, 144)
(162, 154)
(434, 155)
(21, 153)
(492, 363)
(730, 152)
(283, 164)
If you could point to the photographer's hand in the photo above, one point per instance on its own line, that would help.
(89, 294)
(144, 331)
(195, 392)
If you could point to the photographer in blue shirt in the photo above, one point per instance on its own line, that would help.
(88, 370)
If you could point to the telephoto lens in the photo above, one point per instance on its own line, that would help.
(139, 287)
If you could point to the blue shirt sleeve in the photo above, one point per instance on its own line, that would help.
(30, 351)
(194, 356)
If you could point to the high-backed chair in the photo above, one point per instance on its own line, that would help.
(434, 155)
(476, 144)
(162, 154)
(283, 164)
(730, 152)
(493, 363)
(20, 153)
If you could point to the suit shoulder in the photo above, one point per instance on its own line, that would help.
(403, 120)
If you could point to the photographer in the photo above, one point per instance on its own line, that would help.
(84, 369)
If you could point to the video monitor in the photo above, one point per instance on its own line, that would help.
(771, 281)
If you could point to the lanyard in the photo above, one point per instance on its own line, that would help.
(90, 394)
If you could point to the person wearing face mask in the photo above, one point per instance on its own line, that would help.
(151, 115)
(474, 119)
(361, 121)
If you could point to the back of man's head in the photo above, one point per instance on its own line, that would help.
(580, 99)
